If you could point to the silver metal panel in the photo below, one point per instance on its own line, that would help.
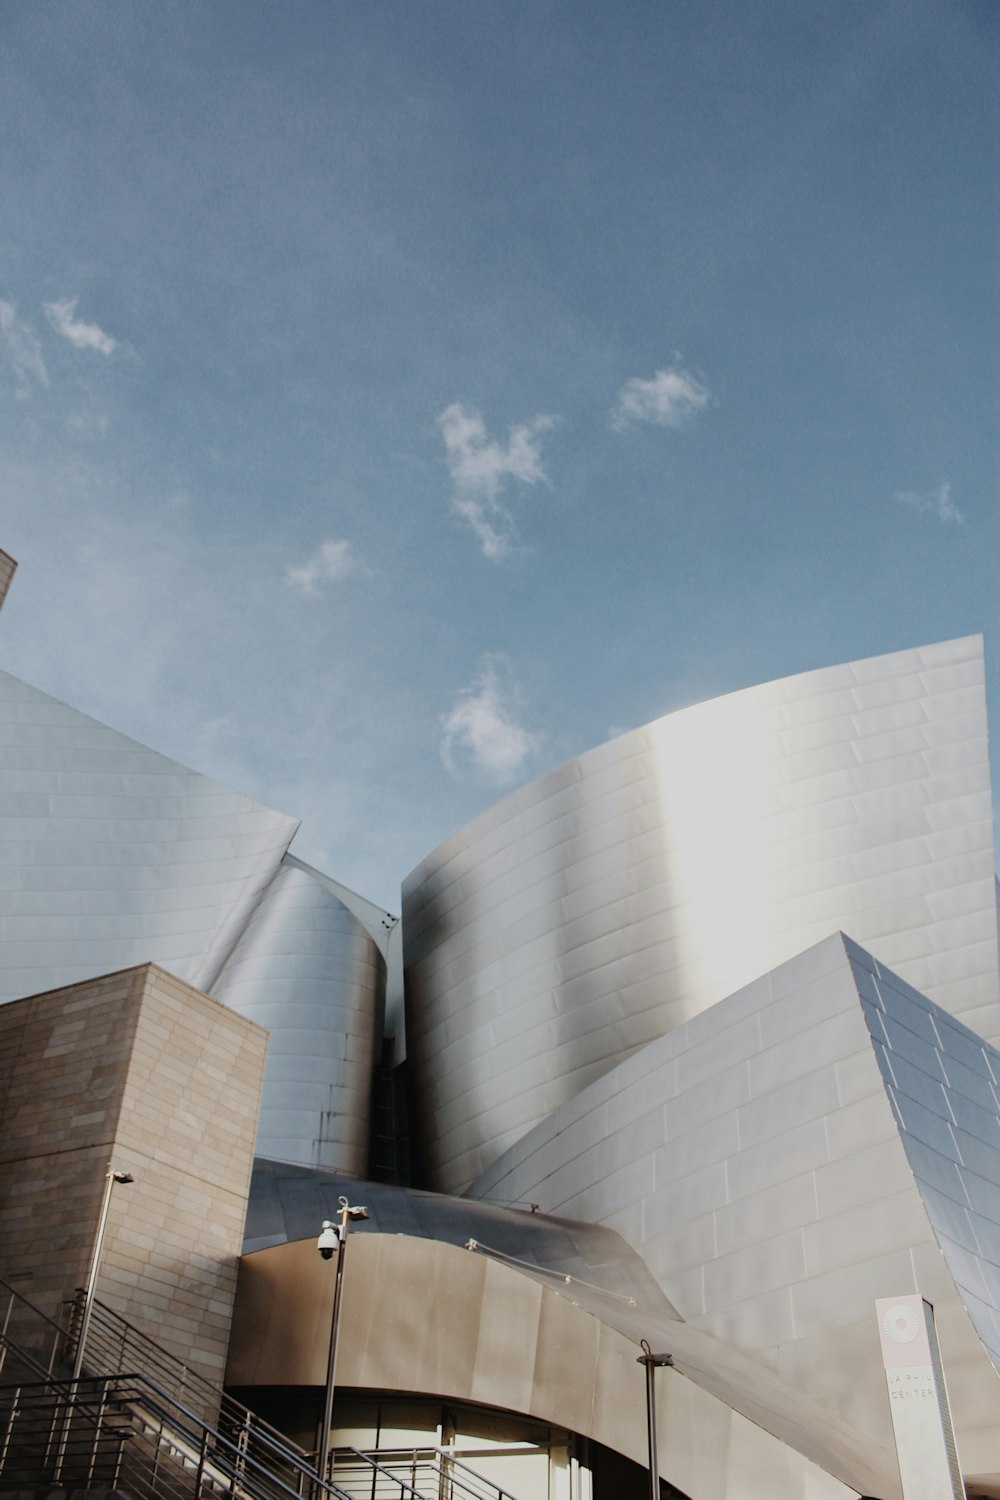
(307, 970)
(112, 855)
(799, 1175)
(618, 896)
(152, 861)
(728, 1429)
(969, 1238)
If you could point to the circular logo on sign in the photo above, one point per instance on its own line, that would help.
(900, 1324)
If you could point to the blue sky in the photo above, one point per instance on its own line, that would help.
(399, 398)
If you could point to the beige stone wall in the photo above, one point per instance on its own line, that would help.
(140, 1071)
(62, 1078)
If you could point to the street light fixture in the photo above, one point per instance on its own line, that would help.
(333, 1242)
(95, 1265)
(111, 1177)
(653, 1362)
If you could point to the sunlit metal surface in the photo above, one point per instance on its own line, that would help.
(466, 1327)
(823, 1137)
(616, 897)
(605, 1274)
(944, 1084)
(113, 855)
(307, 970)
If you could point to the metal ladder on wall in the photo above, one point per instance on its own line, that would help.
(163, 1432)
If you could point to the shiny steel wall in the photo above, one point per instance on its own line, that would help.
(307, 970)
(823, 1137)
(614, 898)
(475, 1329)
(112, 855)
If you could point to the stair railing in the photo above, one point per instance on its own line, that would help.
(113, 1344)
(409, 1472)
(112, 1422)
(25, 1325)
(126, 1432)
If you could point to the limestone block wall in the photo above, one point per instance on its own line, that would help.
(137, 1070)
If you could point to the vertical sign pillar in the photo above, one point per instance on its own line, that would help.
(918, 1400)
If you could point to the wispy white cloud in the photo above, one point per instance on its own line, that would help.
(483, 732)
(480, 467)
(937, 503)
(80, 334)
(669, 399)
(87, 424)
(24, 352)
(331, 561)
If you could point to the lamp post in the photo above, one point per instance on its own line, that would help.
(111, 1177)
(95, 1265)
(333, 1242)
(653, 1362)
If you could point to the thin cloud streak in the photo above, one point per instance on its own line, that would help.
(480, 467)
(24, 352)
(331, 561)
(937, 503)
(80, 334)
(482, 732)
(671, 398)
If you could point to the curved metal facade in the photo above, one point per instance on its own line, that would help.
(307, 970)
(728, 1427)
(616, 897)
(113, 855)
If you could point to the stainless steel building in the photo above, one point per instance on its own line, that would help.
(112, 855)
(614, 898)
(700, 1025)
(821, 1138)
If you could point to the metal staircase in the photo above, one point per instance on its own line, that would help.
(161, 1431)
(125, 1431)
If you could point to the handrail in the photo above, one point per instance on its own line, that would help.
(15, 1298)
(36, 1311)
(242, 1456)
(440, 1464)
(239, 1452)
(372, 1466)
(219, 1459)
(113, 1343)
(456, 1463)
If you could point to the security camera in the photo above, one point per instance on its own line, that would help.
(357, 1212)
(329, 1241)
